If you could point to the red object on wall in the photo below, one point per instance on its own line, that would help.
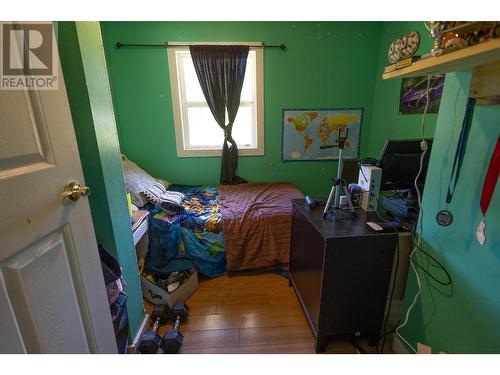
(490, 181)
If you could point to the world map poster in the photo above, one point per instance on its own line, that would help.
(309, 134)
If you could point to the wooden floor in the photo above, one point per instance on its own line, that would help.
(249, 314)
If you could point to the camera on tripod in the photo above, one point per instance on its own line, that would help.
(339, 184)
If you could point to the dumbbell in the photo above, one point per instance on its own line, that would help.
(172, 340)
(151, 341)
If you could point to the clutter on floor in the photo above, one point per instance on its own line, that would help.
(176, 287)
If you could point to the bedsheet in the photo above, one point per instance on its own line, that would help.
(193, 238)
(257, 224)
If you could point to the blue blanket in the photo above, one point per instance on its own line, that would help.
(190, 239)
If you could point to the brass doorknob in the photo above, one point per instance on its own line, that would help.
(73, 191)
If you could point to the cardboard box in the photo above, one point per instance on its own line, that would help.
(159, 296)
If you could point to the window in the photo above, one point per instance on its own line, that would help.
(196, 131)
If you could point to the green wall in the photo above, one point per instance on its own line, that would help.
(463, 318)
(85, 75)
(344, 71)
(327, 65)
(386, 122)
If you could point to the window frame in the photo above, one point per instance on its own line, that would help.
(181, 131)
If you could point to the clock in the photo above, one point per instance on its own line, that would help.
(411, 41)
(394, 53)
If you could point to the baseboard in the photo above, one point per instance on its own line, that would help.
(132, 348)
(398, 347)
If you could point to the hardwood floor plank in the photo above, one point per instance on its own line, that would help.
(275, 335)
(265, 300)
(245, 291)
(210, 338)
(300, 348)
(250, 314)
(244, 319)
(336, 347)
(256, 304)
(202, 307)
(264, 280)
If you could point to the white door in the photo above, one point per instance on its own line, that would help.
(52, 294)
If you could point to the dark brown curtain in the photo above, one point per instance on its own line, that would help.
(221, 71)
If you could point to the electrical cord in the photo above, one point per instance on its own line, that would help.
(444, 283)
(415, 298)
(391, 332)
(380, 348)
(419, 199)
(384, 326)
(419, 195)
(393, 287)
(416, 244)
(439, 264)
(357, 346)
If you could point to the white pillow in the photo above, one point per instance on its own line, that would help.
(164, 182)
(158, 194)
(136, 181)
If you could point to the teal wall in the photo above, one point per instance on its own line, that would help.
(327, 65)
(85, 75)
(464, 318)
(386, 122)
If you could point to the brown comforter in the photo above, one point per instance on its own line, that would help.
(257, 221)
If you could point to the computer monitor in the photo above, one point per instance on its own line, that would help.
(400, 162)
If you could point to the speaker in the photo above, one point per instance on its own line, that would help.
(369, 179)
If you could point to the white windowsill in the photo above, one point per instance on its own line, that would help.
(215, 153)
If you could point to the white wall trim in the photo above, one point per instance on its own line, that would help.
(132, 348)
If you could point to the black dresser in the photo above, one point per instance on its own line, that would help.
(340, 270)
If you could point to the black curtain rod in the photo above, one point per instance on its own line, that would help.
(164, 45)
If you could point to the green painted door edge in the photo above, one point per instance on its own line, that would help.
(101, 104)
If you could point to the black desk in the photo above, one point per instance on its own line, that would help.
(340, 270)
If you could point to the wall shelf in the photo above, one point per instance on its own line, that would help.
(481, 54)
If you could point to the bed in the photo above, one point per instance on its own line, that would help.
(218, 229)
(257, 222)
(225, 228)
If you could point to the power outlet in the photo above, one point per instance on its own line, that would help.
(423, 349)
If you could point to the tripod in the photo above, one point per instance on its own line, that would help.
(339, 185)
